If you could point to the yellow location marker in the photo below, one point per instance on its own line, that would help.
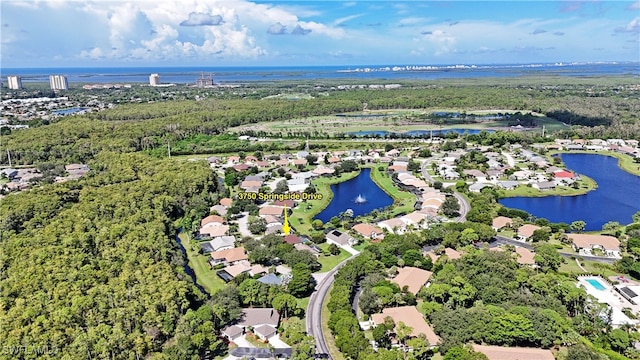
(286, 229)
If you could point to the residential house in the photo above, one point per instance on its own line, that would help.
(214, 231)
(415, 219)
(368, 231)
(526, 231)
(449, 252)
(477, 187)
(340, 238)
(586, 243)
(219, 210)
(241, 167)
(410, 316)
(474, 173)
(412, 277)
(300, 162)
(513, 353)
(214, 160)
(218, 243)
(263, 321)
(544, 185)
(500, 222)
(226, 202)
(292, 239)
(227, 256)
(287, 202)
(393, 225)
(525, 256)
(212, 220)
(508, 185)
(270, 210)
(248, 185)
(271, 279)
(304, 247)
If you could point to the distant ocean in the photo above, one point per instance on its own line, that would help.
(226, 75)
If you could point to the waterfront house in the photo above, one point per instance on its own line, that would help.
(526, 231)
(500, 222)
(393, 225)
(544, 185)
(368, 231)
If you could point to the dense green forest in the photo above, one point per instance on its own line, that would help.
(90, 268)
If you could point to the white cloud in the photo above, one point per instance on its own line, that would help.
(277, 29)
(342, 20)
(634, 6)
(202, 19)
(443, 41)
(632, 27)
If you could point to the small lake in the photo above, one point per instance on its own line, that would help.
(616, 198)
(441, 132)
(69, 111)
(417, 133)
(346, 193)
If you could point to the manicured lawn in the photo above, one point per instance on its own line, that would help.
(586, 184)
(592, 267)
(255, 341)
(206, 277)
(303, 304)
(329, 262)
(403, 202)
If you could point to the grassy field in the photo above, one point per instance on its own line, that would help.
(403, 202)
(591, 267)
(303, 215)
(396, 120)
(586, 184)
(329, 262)
(205, 277)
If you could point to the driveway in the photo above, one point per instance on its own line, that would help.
(243, 225)
(277, 343)
(510, 160)
(242, 342)
(350, 250)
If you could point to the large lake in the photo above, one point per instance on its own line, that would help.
(346, 193)
(616, 198)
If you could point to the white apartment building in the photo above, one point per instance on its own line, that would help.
(154, 79)
(58, 82)
(14, 82)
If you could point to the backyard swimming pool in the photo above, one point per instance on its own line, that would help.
(596, 284)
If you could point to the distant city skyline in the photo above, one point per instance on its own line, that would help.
(58, 33)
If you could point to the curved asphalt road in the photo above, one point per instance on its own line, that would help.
(314, 310)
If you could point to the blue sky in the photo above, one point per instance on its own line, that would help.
(55, 33)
